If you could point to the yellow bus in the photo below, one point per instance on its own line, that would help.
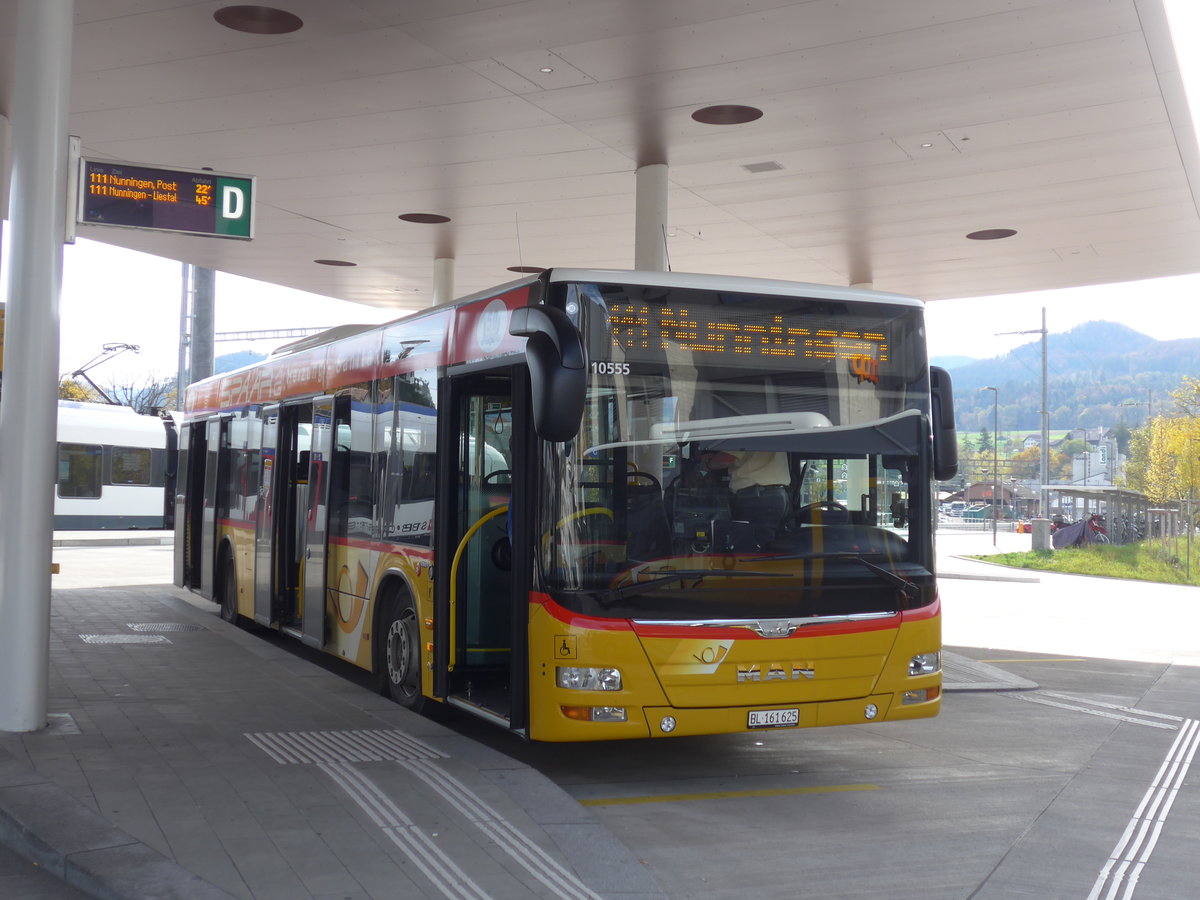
(592, 505)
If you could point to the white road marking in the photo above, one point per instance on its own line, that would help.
(1133, 850)
(442, 872)
(1044, 699)
(563, 882)
(334, 752)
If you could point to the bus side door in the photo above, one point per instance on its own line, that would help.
(265, 521)
(189, 503)
(216, 466)
(310, 615)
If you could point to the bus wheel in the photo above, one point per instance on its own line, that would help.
(400, 656)
(229, 593)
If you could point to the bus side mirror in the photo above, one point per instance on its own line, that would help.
(557, 369)
(945, 435)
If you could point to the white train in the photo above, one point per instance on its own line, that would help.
(116, 468)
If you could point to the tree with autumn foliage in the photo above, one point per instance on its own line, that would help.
(1164, 457)
(70, 389)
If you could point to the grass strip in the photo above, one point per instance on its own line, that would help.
(1146, 561)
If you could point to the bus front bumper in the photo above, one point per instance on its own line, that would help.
(669, 721)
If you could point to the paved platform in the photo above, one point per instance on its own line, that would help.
(188, 758)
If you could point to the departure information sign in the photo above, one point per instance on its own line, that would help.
(183, 200)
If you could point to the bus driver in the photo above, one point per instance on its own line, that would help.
(759, 484)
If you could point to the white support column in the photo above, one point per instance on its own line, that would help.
(29, 410)
(650, 226)
(202, 351)
(443, 281)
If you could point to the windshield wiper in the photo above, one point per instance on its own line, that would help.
(909, 590)
(632, 589)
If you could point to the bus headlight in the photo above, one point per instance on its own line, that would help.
(580, 678)
(925, 663)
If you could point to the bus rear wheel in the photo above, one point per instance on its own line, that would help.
(399, 655)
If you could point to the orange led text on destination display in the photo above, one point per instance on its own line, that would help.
(104, 184)
(659, 328)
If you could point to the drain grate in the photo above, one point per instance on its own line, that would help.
(163, 626)
(123, 639)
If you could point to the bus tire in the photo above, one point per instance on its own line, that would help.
(398, 654)
(228, 596)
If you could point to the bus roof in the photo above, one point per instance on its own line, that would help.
(731, 284)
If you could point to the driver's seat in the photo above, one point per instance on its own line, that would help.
(823, 514)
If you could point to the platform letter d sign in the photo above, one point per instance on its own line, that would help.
(235, 213)
(233, 202)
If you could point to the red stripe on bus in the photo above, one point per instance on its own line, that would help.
(575, 619)
(383, 547)
(929, 611)
(746, 634)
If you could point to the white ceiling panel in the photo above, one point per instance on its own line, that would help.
(889, 130)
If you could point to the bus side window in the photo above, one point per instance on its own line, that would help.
(409, 431)
(351, 473)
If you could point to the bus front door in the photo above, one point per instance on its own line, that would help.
(481, 602)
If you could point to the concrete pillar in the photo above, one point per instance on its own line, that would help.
(185, 333)
(1041, 535)
(650, 225)
(443, 281)
(29, 409)
(204, 328)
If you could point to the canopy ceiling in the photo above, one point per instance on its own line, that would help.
(889, 131)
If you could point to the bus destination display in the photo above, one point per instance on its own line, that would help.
(647, 328)
(191, 202)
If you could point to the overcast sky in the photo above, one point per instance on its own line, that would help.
(102, 304)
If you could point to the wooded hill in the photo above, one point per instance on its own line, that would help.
(1093, 369)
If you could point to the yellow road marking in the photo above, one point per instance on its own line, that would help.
(1052, 659)
(728, 795)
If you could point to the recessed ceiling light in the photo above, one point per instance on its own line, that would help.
(334, 262)
(258, 19)
(926, 145)
(424, 218)
(991, 234)
(546, 70)
(729, 114)
(527, 270)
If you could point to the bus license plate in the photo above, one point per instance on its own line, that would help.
(773, 718)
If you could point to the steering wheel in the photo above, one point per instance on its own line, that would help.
(498, 472)
(575, 516)
(804, 515)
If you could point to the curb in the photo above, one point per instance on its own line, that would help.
(46, 825)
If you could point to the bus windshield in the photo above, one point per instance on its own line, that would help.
(742, 457)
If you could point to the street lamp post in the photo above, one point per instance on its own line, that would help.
(995, 454)
(1044, 457)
